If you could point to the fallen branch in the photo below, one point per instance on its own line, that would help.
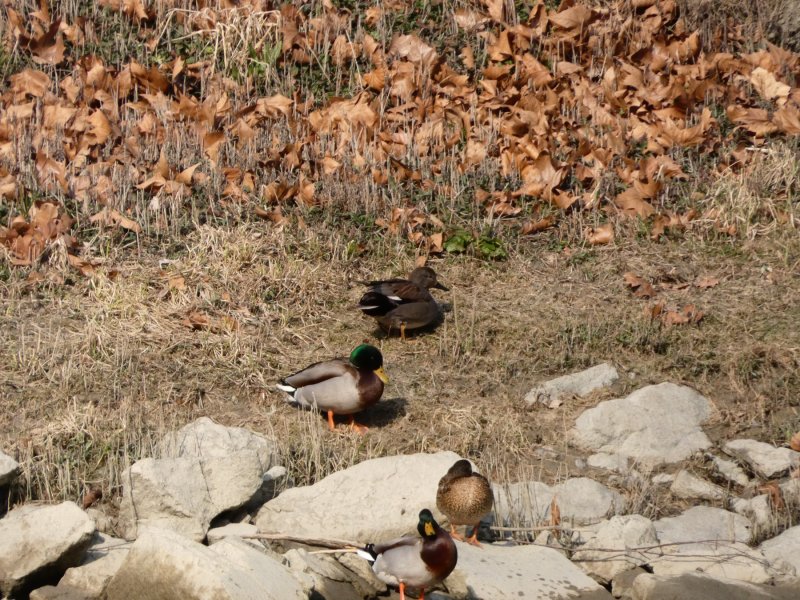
(323, 543)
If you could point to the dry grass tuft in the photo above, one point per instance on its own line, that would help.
(776, 20)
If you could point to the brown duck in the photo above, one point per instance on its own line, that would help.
(465, 497)
(418, 562)
(403, 304)
(339, 386)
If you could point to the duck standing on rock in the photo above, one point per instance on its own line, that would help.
(339, 386)
(403, 304)
(413, 561)
(465, 497)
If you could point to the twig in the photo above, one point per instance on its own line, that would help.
(324, 543)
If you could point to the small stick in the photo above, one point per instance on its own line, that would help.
(323, 543)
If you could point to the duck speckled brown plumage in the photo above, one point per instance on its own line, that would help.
(418, 562)
(403, 304)
(465, 497)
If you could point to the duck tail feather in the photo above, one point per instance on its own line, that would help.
(367, 552)
(285, 387)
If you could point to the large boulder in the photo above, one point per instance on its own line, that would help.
(331, 580)
(163, 565)
(505, 572)
(580, 501)
(9, 469)
(369, 502)
(654, 425)
(101, 562)
(711, 541)
(705, 587)
(208, 470)
(39, 543)
(205, 439)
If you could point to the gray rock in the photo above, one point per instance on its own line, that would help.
(663, 479)
(622, 584)
(702, 524)
(205, 439)
(365, 579)
(185, 494)
(39, 543)
(505, 572)
(394, 488)
(730, 471)
(240, 530)
(765, 459)
(654, 425)
(757, 509)
(694, 585)
(163, 564)
(208, 469)
(712, 541)
(331, 580)
(625, 533)
(609, 462)
(784, 552)
(580, 501)
(59, 592)
(791, 492)
(687, 485)
(101, 562)
(553, 393)
(9, 469)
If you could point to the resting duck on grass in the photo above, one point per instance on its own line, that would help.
(403, 304)
(339, 386)
(465, 497)
(413, 561)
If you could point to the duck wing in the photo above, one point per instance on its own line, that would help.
(395, 292)
(319, 372)
(400, 560)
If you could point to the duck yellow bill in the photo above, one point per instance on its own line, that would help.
(382, 375)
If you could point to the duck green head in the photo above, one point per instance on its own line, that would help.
(369, 357)
(427, 524)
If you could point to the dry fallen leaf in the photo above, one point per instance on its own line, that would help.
(705, 282)
(555, 513)
(794, 443)
(604, 234)
(640, 287)
(775, 495)
(91, 497)
(196, 319)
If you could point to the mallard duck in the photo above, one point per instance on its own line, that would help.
(465, 497)
(413, 561)
(340, 386)
(403, 303)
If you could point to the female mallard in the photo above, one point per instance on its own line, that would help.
(465, 498)
(418, 562)
(340, 386)
(403, 304)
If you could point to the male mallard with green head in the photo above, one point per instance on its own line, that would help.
(413, 561)
(465, 497)
(403, 304)
(340, 386)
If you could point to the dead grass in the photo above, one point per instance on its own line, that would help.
(777, 20)
(98, 369)
(205, 310)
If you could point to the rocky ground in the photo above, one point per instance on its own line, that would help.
(212, 514)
